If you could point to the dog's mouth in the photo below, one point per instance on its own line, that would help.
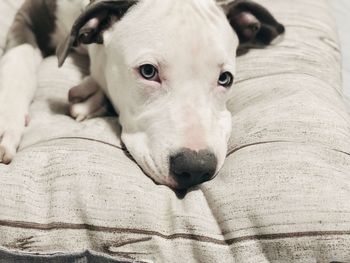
(165, 164)
(150, 173)
(184, 181)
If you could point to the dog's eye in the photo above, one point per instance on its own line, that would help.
(149, 72)
(226, 79)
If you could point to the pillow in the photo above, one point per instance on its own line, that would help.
(282, 195)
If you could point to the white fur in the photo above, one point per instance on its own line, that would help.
(16, 95)
(191, 42)
(91, 100)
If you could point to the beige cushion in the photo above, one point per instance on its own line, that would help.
(282, 196)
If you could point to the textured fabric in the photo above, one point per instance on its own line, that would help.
(282, 195)
(86, 257)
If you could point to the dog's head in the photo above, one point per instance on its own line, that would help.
(169, 68)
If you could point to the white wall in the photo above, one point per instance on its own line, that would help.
(341, 10)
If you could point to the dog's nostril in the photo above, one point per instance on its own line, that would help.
(190, 168)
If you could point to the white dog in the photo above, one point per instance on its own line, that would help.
(167, 66)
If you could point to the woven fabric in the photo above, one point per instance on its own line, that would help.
(282, 195)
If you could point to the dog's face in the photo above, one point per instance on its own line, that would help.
(169, 69)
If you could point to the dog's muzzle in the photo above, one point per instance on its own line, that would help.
(190, 168)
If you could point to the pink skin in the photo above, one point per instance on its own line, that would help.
(27, 120)
(194, 136)
(93, 23)
(96, 21)
(246, 19)
(169, 181)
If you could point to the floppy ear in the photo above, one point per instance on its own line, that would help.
(90, 25)
(254, 24)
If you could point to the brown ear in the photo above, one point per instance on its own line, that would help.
(90, 25)
(253, 23)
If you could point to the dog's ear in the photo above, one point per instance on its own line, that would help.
(90, 25)
(254, 24)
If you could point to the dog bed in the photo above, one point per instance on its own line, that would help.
(283, 194)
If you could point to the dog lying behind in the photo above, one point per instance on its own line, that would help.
(167, 67)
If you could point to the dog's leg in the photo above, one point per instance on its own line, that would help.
(18, 83)
(87, 100)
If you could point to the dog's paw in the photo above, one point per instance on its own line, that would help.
(87, 101)
(83, 91)
(94, 106)
(11, 130)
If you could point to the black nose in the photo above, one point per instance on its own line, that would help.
(190, 168)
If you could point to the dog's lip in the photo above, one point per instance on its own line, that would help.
(169, 181)
(185, 187)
